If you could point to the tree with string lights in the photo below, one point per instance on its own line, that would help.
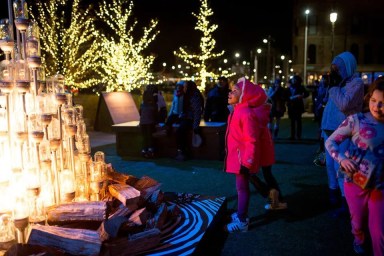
(72, 46)
(207, 45)
(125, 65)
(68, 42)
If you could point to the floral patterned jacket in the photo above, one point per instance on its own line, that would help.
(366, 148)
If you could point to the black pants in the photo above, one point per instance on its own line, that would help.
(146, 131)
(270, 182)
(296, 125)
(185, 126)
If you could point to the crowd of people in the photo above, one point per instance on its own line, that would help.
(350, 133)
(189, 106)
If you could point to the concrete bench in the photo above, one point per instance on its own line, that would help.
(129, 141)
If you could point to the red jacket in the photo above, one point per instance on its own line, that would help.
(244, 130)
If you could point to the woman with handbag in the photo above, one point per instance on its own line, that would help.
(362, 165)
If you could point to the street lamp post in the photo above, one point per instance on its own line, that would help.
(268, 42)
(289, 69)
(333, 18)
(236, 68)
(164, 67)
(305, 46)
(258, 51)
(284, 68)
(237, 56)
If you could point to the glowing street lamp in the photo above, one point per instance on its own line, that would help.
(285, 67)
(333, 18)
(258, 51)
(268, 41)
(305, 46)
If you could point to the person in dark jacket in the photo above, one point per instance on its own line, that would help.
(345, 97)
(296, 94)
(189, 118)
(276, 94)
(148, 119)
(176, 107)
(216, 105)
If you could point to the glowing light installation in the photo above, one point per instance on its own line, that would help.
(207, 45)
(44, 147)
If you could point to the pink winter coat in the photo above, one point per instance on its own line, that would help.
(243, 143)
(267, 154)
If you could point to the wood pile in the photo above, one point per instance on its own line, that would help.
(128, 221)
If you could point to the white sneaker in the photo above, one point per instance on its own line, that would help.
(237, 226)
(235, 217)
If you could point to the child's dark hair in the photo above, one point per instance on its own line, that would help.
(378, 84)
(150, 94)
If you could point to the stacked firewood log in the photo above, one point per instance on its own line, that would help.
(128, 221)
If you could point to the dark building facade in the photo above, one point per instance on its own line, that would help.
(358, 29)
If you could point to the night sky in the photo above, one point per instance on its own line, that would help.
(241, 27)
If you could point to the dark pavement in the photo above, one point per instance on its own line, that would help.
(307, 227)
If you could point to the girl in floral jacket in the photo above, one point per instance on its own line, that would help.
(243, 145)
(363, 166)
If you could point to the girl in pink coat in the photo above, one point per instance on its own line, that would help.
(243, 145)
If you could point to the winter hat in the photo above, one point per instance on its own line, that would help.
(251, 93)
(339, 63)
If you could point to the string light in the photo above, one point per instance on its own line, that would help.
(88, 57)
(207, 45)
(68, 47)
(124, 63)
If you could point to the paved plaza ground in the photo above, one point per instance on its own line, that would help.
(308, 227)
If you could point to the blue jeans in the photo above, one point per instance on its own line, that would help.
(335, 179)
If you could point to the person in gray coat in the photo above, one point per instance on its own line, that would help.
(345, 97)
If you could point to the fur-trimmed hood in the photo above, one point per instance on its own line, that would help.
(251, 94)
